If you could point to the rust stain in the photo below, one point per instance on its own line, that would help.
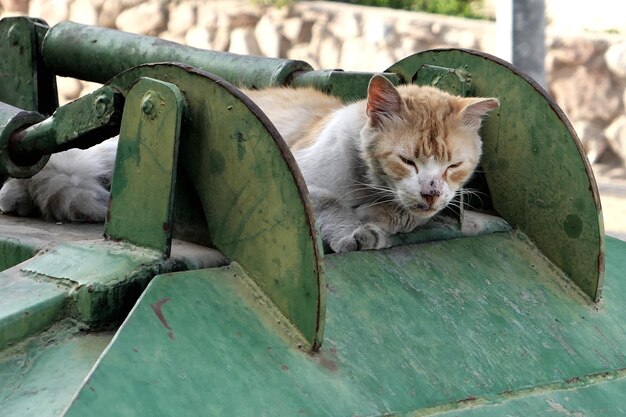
(329, 364)
(156, 307)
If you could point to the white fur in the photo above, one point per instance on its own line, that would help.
(73, 186)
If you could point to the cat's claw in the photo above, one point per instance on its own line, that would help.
(367, 236)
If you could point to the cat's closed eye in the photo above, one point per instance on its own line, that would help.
(454, 166)
(408, 162)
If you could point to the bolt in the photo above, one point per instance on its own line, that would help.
(147, 105)
(101, 105)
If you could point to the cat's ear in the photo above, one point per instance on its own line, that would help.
(475, 108)
(383, 100)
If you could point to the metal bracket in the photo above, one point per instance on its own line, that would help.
(145, 168)
(25, 81)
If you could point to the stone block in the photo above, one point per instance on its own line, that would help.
(146, 19)
(83, 11)
(243, 41)
(182, 17)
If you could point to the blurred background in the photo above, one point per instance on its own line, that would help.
(576, 49)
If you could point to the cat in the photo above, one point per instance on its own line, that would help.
(73, 186)
(374, 168)
(383, 165)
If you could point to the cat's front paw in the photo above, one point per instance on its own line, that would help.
(367, 236)
(14, 198)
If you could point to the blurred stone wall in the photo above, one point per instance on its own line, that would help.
(586, 74)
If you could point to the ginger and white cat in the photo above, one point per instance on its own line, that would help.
(374, 168)
(379, 166)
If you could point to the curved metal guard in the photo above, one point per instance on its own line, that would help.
(253, 195)
(535, 166)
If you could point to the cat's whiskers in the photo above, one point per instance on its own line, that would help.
(376, 203)
(470, 192)
(371, 192)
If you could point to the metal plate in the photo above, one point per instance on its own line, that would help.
(536, 169)
(252, 192)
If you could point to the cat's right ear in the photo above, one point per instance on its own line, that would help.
(383, 100)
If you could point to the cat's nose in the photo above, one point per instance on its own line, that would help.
(430, 197)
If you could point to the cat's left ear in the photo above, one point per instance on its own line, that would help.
(383, 100)
(475, 108)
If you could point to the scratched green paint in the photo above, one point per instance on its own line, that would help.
(605, 397)
(539, 178)
(24, 81)
(26, 306)
(106, 277)
(253, 203)
(142, 190)
(14, 250)
(411, 330)
(39, 376)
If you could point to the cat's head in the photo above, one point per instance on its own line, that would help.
(421, 143)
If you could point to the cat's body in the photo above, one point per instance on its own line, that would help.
(373, 168)
(379, 166)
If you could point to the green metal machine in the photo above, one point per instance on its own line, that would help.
(498, 311)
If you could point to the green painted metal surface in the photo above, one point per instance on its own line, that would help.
(99, 54)
(598, 396)
(25, 82)
(453, 80)
(39, 376)
(145, 166)
(80, 124)
(27, 306)
(13, 251)
(77, 274)
(103, 279)
(406, 334)
(252, 194)
(538, 175)
(12, 119)
(348, 86)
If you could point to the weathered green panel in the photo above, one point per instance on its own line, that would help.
(105, 278)
(455, 81)
(598, 396)
(27, 306)
(348, 86)
(205, 343)
(39, 376)
(25, 82)
(412, 330)
(13, 251)
(253, 196)
(536, 169)
(142, 190)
